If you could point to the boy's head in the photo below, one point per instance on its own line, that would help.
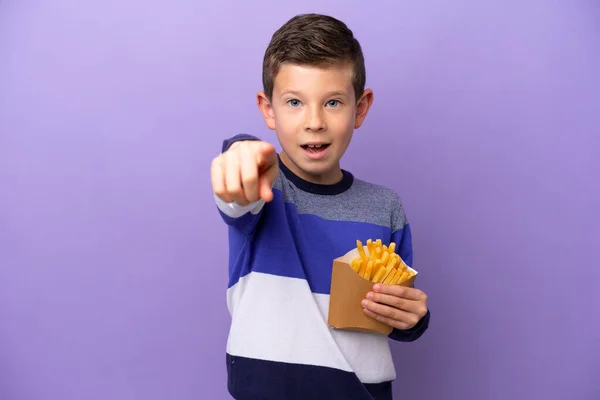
(314, 95)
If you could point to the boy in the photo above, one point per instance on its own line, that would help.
(290, 214)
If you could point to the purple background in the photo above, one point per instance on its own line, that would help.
(112, 255)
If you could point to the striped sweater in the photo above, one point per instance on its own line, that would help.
(280, 346)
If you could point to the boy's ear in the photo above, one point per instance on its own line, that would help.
(362, 107)
(266, 109)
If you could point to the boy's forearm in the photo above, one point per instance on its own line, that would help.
(410, 335)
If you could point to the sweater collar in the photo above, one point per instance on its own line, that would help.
(318, 188)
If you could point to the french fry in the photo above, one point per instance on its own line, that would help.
(391, 264)
(373, 253)
(384, 257)
(402, 266)
(361, 249)
(405, 276)
(368, 270)
(390, 277)
(378, 262)
(399, 277)
(379, 275)
(363, 266)
(377, 267)
(355, 264)
(392, 247)
(396, 277)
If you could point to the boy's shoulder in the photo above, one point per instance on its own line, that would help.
(380, 199)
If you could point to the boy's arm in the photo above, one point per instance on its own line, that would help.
(242, 178)
(403, 238)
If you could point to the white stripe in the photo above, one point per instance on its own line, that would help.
(235, 210)
(279, 319)
(369, 355)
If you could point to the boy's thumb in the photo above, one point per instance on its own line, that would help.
(266, 189)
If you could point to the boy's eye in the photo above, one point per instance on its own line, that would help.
(333, 103)
(294, 102)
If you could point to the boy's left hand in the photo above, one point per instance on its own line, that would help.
(398, 306)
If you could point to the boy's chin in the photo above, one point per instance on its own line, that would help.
(321, 174)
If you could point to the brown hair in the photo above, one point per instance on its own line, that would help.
(313, 39)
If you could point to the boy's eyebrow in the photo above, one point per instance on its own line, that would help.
(336, 93)
(328, 94)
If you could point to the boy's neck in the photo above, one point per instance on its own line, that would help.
(338, 187)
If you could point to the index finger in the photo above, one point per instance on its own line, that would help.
(400, 291)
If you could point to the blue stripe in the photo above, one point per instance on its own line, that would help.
(252, 379)
(302, 246)
(403, 239)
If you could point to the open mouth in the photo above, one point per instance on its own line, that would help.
(315, 148)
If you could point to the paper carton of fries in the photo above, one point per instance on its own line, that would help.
(354, 275)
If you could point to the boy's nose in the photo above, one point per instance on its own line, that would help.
(315, 122)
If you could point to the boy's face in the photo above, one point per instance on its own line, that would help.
(314, 112)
